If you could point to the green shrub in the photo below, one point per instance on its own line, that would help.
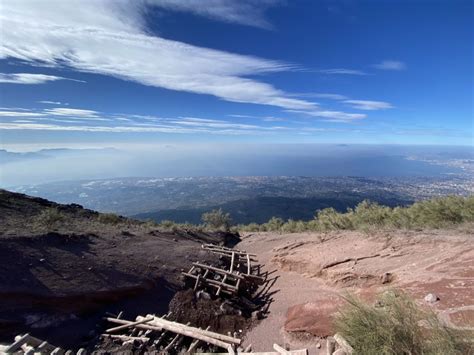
(435, 213)
(273, 225)
(397, 326)
(49, 218)
(217, 219)
(330, 219)
(109, 218)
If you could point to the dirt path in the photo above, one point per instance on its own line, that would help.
(310, 272)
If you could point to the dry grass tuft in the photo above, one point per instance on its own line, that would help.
(397, 326)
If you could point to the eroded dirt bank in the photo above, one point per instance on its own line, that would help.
(311, 271)
(62, 267)
(57, 287)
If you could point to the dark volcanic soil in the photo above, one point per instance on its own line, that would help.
(62, 267)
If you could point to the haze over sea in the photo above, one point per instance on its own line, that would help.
(235, 160)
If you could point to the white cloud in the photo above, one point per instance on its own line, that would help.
(108, 37)
(71, 112)
(243, 12)
(26, 78)
(124, 129)
(272, 119)
(391, 65)
(263, 118)
(343, 71)
(321, 96)
(368, 105)
(46, 102)
(333, 115)
(20, 113)
(66, 119)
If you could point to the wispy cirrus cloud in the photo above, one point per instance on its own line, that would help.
(242, 12)
(71, 112)
(336, 116)
(321, 96)
(47, 102)
(391, 65)
(369, 105)
(342, 71)
(69, 119)
(110, 38)
(27, 78)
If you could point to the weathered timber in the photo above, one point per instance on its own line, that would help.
(19, 341)
(228, 288)
(191, 331)
(195, 343)
(125, 326)
(218, 270)
(343, 343)
(125, 337)
(280, 350)
(174, 341)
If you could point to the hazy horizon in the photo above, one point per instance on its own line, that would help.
(233, 160)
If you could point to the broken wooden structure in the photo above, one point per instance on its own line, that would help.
(238, 274)
(166, 335)
(27, 344)
(238, 259)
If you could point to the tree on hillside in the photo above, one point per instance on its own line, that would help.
(217, 219)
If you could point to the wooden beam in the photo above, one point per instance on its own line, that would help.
(125, 337)
(140, 326)
(125, 326)
(280, 350)
(198, 278)
(330, 345)
(232, 262)
(195, 343)
(343, 343)
(19, 341)
(174, 341)
(166, 324)
(218, 270)
(229, 288)
(249, 269)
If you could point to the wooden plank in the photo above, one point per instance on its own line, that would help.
(140, 326)
(232, 262)
(343, 343)
(229, 288)
(125, 337)
(198, 278)
(174, 341)
(225, 250)
(57, 351)
(280, 350)
(192, 330)
(330, 345)
(249, 266)
(195, 343)
(19, 341)
(125, 326)
(218, 270)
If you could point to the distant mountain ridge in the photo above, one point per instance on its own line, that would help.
(7, 156)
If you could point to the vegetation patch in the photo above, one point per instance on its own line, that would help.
(434, 213)
(396, 325)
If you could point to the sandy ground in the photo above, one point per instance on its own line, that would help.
(310, 272)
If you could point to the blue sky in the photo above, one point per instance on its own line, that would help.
(82, 73)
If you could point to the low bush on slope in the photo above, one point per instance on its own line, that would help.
(435, 213)
(396, 326)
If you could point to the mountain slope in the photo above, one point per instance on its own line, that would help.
(61, 266)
